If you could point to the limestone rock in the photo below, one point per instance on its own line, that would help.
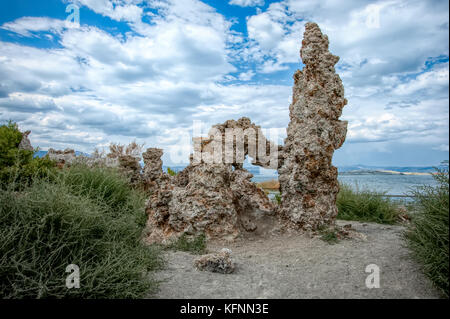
(308, 180)
(232, 141)
(152, 172)
(215, 199)
(130, 167)
(204, 206)
(220, 262)
(255, 211)
(25, 143)
(65, 157)
(68, 157)
(214, 194)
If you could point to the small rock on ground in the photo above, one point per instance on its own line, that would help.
(216, 262)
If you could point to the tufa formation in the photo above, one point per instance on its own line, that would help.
(308, 180)
(217, 199)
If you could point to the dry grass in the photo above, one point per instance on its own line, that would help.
(269, 185)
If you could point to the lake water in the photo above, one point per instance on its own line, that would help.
(391, 184)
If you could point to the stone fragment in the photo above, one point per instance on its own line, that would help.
(220, 262)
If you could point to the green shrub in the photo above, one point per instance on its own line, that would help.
(17, 166)
(428, 235)
(171, 172)
(366, 206)
(104, 186)
(196, 245)
(278, 198)
(86, 217)
(10, 138)
(329, 235)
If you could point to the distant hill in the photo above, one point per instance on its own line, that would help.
(365, 169)
(43, 153)
(353, 169)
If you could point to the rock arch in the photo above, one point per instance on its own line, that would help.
(211, 197)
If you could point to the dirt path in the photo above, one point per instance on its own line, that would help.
(300, 267)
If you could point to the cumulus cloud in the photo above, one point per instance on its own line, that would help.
(247, 3)
(119, 10)
(432, 83)
(246, 76)
(26, 26)
(389, 61)
(401, 42)
(103, 87)
(184, 62)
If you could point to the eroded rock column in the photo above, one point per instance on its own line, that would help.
(308, 180)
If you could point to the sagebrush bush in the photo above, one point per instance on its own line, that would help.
(428, 235)
(17, 166)
(365, 205)
(104, 186)
(84, 216)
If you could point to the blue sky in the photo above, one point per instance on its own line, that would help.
(145, 70)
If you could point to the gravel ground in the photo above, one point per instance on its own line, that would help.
(288, 266)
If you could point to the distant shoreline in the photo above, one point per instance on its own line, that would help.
(384, 172)
(271, 183)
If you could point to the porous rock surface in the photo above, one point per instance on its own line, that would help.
(127, 164)
(65, 157)
(152, 172)
(25, 143)
(215, 199)
(231, 141)
(308, 180)
(220, 262)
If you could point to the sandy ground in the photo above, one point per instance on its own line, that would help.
(288, 266)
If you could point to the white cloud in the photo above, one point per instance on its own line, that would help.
(392, 96)
(414, 29)
(246, 76)
(152, 83)
(99, 87)
(247, 3)
(25, 26)
(432, 82)
(263, 29)
(270, 66)
(442, 147)
(120, 10)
